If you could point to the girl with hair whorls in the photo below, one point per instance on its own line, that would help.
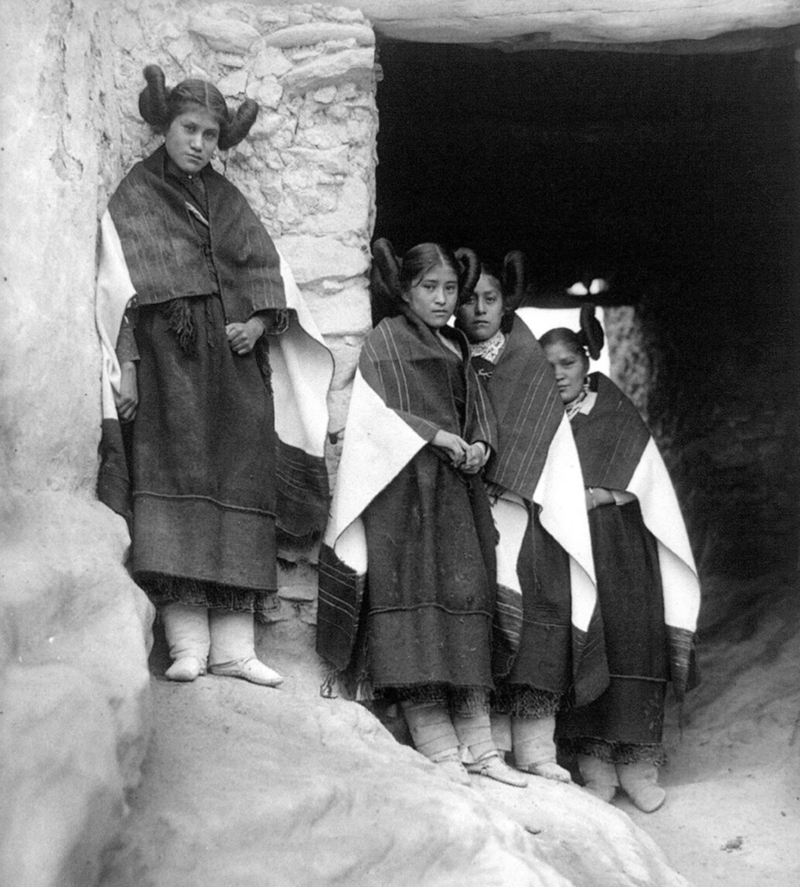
(546, 594)
(190, 288)
(647, 583)
(407, 569)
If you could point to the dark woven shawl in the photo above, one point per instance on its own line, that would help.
(528, 409)
(166, 256)
(611, 439)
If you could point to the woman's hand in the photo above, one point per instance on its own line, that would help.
(128, 397)
(475, 457)
(242, 337)
(455, 446)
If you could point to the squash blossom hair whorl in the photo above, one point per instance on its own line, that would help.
(159, 106)
(469, 273)
(384, 282)
(391, 278)
(512, 280)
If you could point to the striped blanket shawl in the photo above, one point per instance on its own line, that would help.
(617, 452)
(537, 462)
(396, 408)
(142, 223)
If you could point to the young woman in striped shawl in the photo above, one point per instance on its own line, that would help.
(407, 572)
(536, 490)
(646, 579)
(189, 285)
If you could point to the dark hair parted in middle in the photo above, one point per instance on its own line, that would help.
(391, 277)
(589, 340)
(510, 278)
(159, 106)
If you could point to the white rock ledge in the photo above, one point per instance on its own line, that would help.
(74, 687)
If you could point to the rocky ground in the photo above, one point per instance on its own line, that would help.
(250, 786)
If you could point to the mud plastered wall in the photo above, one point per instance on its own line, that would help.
(307, 167)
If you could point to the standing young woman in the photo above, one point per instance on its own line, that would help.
(545, 570)
(188, 286)
(646, 579)
(407, 588)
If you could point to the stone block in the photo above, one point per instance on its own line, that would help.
(269, 93)
(181, 48)
(270, 62)
(230, 60)
(343, 14)
(343, 313)
(352, 211)
(234, 84)
(312, 33)
(315, 258)
(334, 161)
(325, 95)
(272, 127)
(224, 34)
(322, 137)
(300, 16)
(272, 17)
(352, 65)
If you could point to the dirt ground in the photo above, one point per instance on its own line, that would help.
(732, 815)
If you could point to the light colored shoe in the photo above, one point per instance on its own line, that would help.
(187, 668)
(250, 669)
(600, 777)
(454, 770)
(549, 770)
(493, 766)
(640, 782)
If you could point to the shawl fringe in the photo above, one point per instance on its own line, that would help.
(178, 315)
(520, 701)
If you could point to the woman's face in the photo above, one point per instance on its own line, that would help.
(432, 297)
(192, 139)
(570, 370)
(480, 316)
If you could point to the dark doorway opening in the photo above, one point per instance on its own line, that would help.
(674, 176)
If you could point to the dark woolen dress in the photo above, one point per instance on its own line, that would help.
(203, 449)
(203, 470)
(625, 723)
(533, 680)
(425, 624)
